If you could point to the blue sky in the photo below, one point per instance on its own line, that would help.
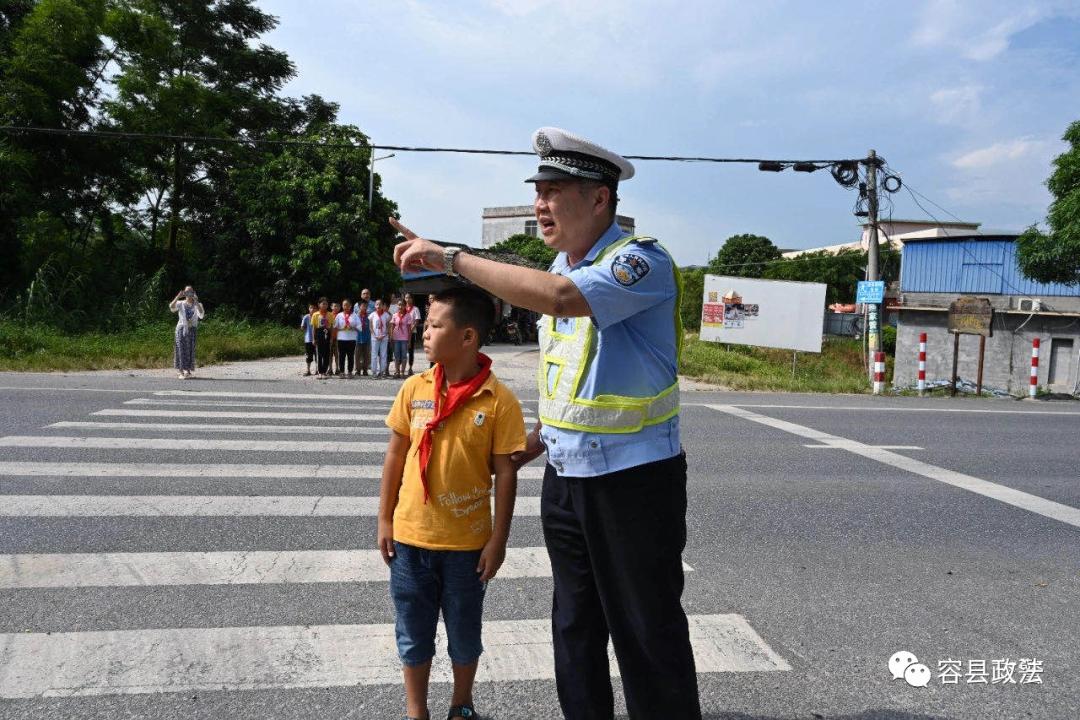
(968, 100)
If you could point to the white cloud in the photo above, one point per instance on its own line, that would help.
(1007, 173)
(957, 105)
(1008, 152)
(979, 30)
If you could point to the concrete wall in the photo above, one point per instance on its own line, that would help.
(499, 223)
(497, 229)
(1000, 303)
(1007, 364)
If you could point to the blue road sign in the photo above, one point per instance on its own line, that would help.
(870, 292)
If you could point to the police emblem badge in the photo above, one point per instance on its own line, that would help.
(543, 145)
(629, 268)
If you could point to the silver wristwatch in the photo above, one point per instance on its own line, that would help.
(448, 254)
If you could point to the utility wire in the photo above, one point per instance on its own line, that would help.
(915, 195)
(124, 135)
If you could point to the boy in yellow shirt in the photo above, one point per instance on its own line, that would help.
(454, 426)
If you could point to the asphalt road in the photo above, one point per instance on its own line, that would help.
(959, 540)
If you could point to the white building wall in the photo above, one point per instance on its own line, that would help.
(495, 230)
(499, 223)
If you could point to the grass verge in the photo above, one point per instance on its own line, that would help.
(39, 348)
(838, 368)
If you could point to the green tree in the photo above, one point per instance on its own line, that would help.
(840, 273)
(302, 228)
(12, 13)
(49, 185)
(1055, 256)
(190, 67)
(744, 256)
(693, 294)
(528, 247)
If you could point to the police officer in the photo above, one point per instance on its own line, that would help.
(613, 504)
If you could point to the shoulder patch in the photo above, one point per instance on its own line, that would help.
(628, 268)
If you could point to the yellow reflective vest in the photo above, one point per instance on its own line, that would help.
(561, 404)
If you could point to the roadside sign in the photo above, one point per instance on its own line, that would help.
(764, 313)
(870, 292)
(971, 316)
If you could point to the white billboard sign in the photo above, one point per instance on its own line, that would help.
(766, 313)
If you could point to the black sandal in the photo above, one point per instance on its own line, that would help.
(462, 711)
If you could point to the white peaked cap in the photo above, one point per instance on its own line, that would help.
(563, 154)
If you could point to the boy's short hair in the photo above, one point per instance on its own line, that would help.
(323, 300)
(469, 307)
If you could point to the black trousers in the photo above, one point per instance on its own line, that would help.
(363, 356)
(616, 543)
(346, 349)
(322, 347)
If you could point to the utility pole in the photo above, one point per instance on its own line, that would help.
(873, 333)
(371, 174)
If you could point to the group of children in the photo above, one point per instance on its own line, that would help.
(366, 336)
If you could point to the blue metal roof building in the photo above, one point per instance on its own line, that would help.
(937, 269)
(971, 265)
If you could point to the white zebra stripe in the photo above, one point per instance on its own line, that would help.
(292, 396)
(133, 443)
(196, 470)
(251, 567)
(241, 415)
(216, 428)
(121, 662)
(243, 403)
(207, 506)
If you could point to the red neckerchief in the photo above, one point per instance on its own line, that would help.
(323, 322)
(346, 319)
(457, 394)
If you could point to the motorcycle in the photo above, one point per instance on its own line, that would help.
(513, 334)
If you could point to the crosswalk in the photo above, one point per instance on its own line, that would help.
(182, 459)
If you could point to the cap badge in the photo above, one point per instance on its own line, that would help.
(543, 145)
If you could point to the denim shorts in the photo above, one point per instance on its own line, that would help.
(400, 348)
(424, 581)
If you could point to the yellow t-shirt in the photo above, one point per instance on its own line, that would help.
(457, 515)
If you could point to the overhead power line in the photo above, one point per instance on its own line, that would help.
(123, 135)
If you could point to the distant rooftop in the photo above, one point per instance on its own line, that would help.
(902, 221)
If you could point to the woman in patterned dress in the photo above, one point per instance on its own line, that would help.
(189, 312)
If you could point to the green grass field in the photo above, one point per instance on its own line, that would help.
(837, 369)
(39, 348)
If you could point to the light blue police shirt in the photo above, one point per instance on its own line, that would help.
(632, 296)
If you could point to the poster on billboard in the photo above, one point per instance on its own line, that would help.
(765, 313)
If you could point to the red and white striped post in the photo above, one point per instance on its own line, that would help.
(879, 372)
(1034, 368)
(922, 363)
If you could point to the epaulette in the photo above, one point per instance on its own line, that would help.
(644, 240)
